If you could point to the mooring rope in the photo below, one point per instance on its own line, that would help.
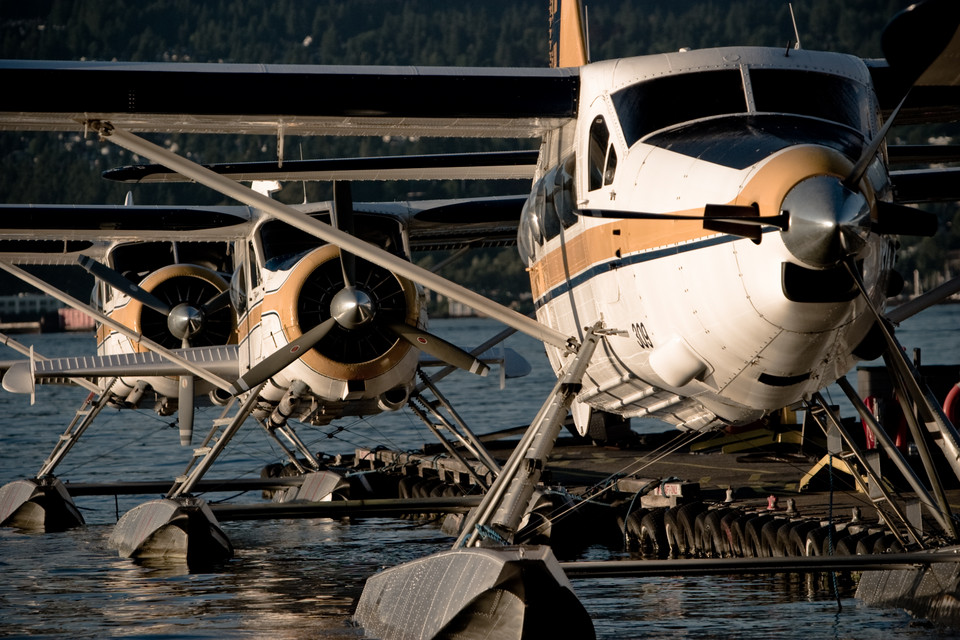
(678, 442)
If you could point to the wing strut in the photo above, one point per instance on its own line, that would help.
(116, 326)
(345, 241)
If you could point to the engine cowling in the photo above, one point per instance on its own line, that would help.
(186, 288)
(360, 349)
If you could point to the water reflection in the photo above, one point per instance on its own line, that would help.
(302, 578)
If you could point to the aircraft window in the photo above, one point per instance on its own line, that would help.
(599, 139)
(137, 259)
(549, 223)
(528, 235)
(563, 198)
(810, 93)
(281, 242)
(251, 257)
(548, 209)
(238, 293)
(213, 255)
(611, 169)
(656, 104)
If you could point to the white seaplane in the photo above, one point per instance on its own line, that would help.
(710, 235)
(333, 335)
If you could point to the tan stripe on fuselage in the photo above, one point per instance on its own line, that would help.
(618, 238)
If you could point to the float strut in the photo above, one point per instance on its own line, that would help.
(184, 485)
(506, 502)
(894, 454)
(84, 417)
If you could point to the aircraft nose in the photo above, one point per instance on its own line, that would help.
(828, 221)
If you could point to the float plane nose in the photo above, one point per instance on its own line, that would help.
(827, 221)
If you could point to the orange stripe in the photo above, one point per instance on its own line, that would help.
(602, 243)
(249, 321)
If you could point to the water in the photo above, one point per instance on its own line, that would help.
(301, 578)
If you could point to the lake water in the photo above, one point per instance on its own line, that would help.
(301, 578)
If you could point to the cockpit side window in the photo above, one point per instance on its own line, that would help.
(655, 104)
(602, 157)
(611, 169)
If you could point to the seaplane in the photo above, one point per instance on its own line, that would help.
(364, 327)
(711, 236)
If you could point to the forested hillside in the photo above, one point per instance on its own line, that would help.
(65, 168)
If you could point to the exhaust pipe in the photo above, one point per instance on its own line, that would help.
(287, 405)
(394, 399)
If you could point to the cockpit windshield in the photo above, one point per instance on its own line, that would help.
(671, 100)
(655, 104)
(283, 244)
(810, 93)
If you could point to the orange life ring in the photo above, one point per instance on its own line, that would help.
(951, 406)
(900, 437)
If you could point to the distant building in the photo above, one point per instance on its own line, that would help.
(32, 312)
(35, 305)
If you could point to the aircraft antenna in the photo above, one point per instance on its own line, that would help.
(586, 30)
(303, 182)
(796, 32)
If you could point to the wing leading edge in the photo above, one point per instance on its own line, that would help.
(294, 99)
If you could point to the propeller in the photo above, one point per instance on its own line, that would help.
(359, 309)
(439, 348)
(184, 320)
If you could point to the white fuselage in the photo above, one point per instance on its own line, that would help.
(712, 325)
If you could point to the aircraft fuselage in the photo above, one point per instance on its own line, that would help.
(711, 324)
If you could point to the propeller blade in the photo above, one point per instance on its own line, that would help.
(439, 348)
(740, 220)
(122, 284)
(870, 151)
(216, 303)
(185, 410)
(918, 42)
(279, 359)
(901, 220)
(343, 220)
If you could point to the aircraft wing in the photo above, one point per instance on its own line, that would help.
(56, 234)
(513, 364)
(436, 225)
(221, 360)
(287, 99)
(926, 185)
(496, 165)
